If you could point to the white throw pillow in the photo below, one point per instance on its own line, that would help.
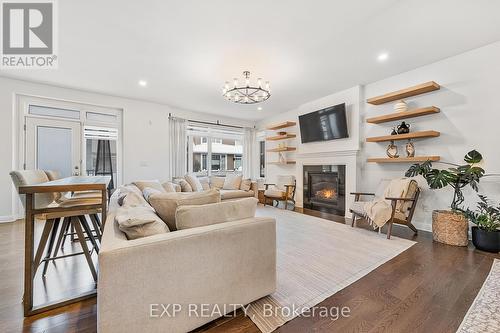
(194, 182)
(197, 216)
(232, 182)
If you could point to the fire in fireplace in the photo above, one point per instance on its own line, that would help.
(327, 194)
(324, 188)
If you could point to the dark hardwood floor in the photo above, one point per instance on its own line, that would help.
(427, 288)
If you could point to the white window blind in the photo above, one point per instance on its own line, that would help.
(100, 133)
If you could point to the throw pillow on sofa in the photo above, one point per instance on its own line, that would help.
(148, 191)
(171, 187)
(138, 222)
(205, 183)
(142, 184)
(232, 182)
(185, 187)
(194, 182)
(246, 184)
(197, 216)
(165, 204)
(216, 182)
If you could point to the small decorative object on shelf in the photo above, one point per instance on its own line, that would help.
(394, 131)
(282, 158)
(392, 150)
(400, 106)
(281, 133)
(410, 149)
(404, 128)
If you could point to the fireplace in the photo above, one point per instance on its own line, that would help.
(324, 188)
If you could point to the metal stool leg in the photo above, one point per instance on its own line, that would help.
(53, 235)
(77, 226)
(43, 241)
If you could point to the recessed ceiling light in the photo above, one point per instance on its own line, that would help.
(143, 83)
(383, 56)
(259, 108)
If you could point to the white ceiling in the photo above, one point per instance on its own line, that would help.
(186, 49)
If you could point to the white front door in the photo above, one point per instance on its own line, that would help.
(53, 145)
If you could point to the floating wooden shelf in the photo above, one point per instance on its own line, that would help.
(405, 159)
(281, 137)
(403, 115)
(277, 150)
(412, 135)
(404, 93)
(281, 125)
(281, 163)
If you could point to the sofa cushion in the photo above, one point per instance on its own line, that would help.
(194, 182)
(142, 184)
(235, 194)
(141, 221)
(166, 204)
(185, 187)
(232, 182)
(246, 184)
(197, 216)
(216, 182)
(148, 191)
(205, 183)
(171, 187)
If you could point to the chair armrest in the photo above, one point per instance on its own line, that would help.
(289, 185)
(400, 199)
(267, 185)
(362, 193)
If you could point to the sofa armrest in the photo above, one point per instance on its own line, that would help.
(254, 186)
(226, 263)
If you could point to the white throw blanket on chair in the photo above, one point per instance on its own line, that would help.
(378, 212)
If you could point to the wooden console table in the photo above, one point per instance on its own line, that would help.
(70, 184)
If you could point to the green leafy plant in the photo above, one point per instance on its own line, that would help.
(457, 176)
(486, 216)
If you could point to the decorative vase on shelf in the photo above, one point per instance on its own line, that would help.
(394, 131)
(392, 150)
(400, 106)
(404, 128)
(410, 149)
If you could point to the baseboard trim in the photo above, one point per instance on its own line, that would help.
(9, 218)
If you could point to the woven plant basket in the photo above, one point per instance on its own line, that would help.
(449, 228)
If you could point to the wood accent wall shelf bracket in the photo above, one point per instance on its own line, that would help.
(415, 159)
(281, 125)
(281, 137)
(412, 135)
(281, 149)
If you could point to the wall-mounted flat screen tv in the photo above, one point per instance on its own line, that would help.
(324, 125)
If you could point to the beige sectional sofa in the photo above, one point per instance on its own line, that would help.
(218, 266)
(236, 189)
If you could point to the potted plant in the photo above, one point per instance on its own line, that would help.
(451, 226)
(486, 233)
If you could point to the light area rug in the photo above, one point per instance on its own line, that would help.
(484, 314)
(315, 259)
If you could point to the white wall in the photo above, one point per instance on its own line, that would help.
(145, 132)
(469, 119)
(331, 152)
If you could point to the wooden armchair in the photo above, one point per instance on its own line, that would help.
(283, 190)
(402, 208)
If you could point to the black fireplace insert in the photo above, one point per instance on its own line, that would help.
(324, 188)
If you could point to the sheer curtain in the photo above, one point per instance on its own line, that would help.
(249, 153)
(178, 144)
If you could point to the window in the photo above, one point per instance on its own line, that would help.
(262, 159)
(214, 150)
